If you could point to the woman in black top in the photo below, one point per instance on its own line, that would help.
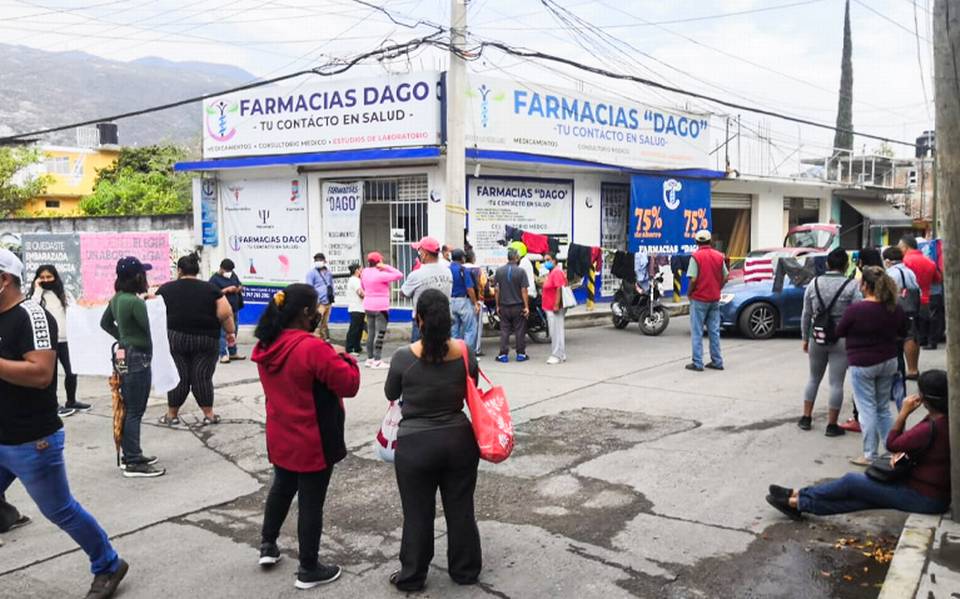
(436, 448)
(196, 310)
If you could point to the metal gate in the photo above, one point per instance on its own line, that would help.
(395, 215)
(614, 221)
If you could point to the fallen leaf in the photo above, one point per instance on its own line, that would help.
(825, 574)
(848, 578)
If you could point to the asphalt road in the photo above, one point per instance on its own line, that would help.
(632, 477)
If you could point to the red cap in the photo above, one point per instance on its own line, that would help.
(427, 244)
(374, 257)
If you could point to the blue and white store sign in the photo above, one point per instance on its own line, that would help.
(536, 119)
(666, 213)
(324, 116)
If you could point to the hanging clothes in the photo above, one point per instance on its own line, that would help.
(579, 258)
(554, 244)
(623, 266)
(641, 268)
(536, 243)
(512, 234)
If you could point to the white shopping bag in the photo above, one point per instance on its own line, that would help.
(386, 441)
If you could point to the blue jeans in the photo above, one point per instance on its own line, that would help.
(464, 320)
(135, 390)
(856, 491)
(224, 349)
(872, 386)
(40, 467)
(709, 313)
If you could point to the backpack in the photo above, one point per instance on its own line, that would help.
(824, 325)
(909, 299)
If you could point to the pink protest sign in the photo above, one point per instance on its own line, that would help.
(99, 253)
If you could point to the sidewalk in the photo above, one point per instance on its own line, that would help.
(926, 564)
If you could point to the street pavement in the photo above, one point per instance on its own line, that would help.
(632, 477)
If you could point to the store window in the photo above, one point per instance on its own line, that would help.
(394, 215)
(614, 221)
(802, 211)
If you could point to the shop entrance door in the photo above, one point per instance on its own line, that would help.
(394, 216)
(614, 220)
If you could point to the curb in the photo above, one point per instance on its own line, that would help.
(910, 557)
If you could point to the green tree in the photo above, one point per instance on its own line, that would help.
(141, 181)
(843, 138)
(17, 187)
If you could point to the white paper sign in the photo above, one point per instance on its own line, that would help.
(265, 227)
(542, 207)
(341, 206)
(92, 345)
(536, 119)
(320, 115)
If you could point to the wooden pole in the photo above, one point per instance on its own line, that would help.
(946, 39)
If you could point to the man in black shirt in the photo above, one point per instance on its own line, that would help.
(31, 433)
(513, 306)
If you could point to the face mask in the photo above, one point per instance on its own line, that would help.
(320, 264)
(48, 285)
(548, 265)
(227, 274)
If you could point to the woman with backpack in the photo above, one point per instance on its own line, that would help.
(824, 302)
(921, 461)
(873, 330)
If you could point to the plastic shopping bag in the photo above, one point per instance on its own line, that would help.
(386, 441)
(490, 417)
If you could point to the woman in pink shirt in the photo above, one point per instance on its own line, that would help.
(375, 281)
(553, 305)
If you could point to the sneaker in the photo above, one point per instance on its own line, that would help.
(783, 506)
(694, 367)
(105, 585)
(308, 579)
(78, 406)
(355, 354)
(381, 365)
(503, 358)
(805, 423)
(236, 357)
(65, 412)
(21, 521)
(834, 430)
(851, 425)
(224, 359)
(369, 363)
(861, 461)
(522, 357)
(553, 360)
(142, 470)
(149, 460)
(781, 492)
(714, 366)
(269, 554)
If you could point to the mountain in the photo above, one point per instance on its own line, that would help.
(40, 89)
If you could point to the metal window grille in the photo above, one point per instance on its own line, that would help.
(408, 198)
(614, 221)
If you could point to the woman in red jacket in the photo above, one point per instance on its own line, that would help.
(305, 380)
(926, 488)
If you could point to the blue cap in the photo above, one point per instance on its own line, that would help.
(131, 266)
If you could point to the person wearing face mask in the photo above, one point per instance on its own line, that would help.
(48, 290)
(304, 380)
(31, 433)
(553, 306)
(321, 279)
(227, 281)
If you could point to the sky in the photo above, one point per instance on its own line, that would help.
(781, 55)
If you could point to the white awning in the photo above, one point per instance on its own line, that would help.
(879, 212)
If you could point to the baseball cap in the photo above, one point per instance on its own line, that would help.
(130, 266)
(10, 264)
(702, 236)
(374, 257)
(427, 244)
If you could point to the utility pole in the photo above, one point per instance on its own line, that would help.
(456, 174)
(946, 43)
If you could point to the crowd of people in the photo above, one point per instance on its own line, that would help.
(871, 324)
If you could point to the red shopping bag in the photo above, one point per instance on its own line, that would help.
(490, 416)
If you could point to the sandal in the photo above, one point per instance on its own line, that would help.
(208, 420)
(167, 421)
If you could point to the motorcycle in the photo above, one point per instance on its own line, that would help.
(631, 304)
(537, 328)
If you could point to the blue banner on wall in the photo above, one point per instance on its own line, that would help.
(666, 213)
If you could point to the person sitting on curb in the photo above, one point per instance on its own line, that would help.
(925, 488)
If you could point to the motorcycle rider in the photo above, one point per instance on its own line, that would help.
(708, 274)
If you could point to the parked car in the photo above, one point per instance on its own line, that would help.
(759, 309)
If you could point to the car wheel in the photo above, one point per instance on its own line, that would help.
(759, 321)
